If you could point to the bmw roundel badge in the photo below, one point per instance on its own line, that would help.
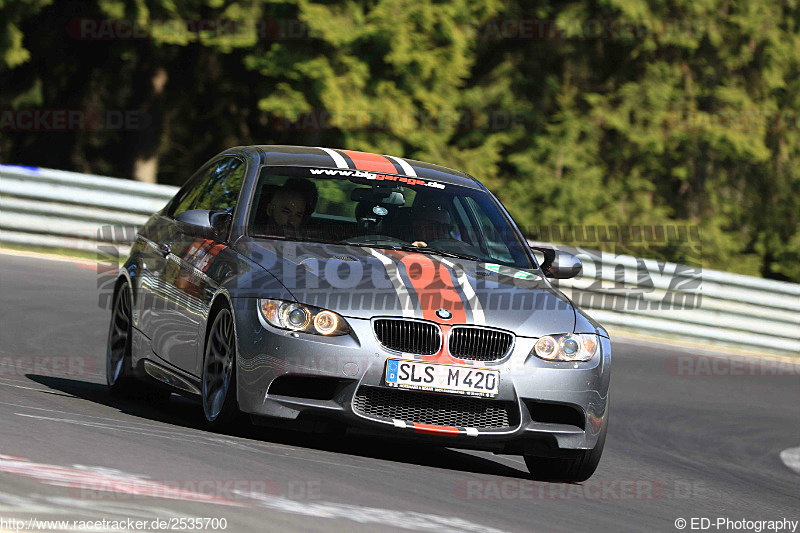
(444, 314)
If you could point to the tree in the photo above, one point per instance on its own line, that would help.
(615, 114)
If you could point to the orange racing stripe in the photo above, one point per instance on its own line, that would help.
(435, 430)
(435, 290)
(371, 162)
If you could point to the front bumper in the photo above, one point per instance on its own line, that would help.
(553, 405)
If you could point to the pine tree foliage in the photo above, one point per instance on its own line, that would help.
(616, 113)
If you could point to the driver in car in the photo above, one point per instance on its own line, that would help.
(292, 204)
(430, 223)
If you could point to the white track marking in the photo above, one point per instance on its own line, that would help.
(122, 483)
(45, 256)
(116, 423)
(110, 427)
(369, 515)
(15, 380)
(115, 420)
(791, 458)
(39, 390)
(256, 447)
(156, 433)
(407, 169)
(337, 158)
(42, 505)
(88, 481)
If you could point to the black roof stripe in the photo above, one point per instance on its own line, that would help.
(311, 156)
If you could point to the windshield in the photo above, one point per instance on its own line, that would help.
(353, 207)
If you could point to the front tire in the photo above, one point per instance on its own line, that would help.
(220, 405)
(579, 466)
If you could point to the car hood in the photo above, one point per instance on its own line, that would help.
(363, 282)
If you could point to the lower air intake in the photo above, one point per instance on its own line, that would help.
(437, 409)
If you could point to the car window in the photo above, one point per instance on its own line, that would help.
(495, 244)
(357, 207)
(215, 187)
(186, 189)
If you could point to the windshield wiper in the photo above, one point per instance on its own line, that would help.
(369, 245)
(436, 251)
(412, 248)
(291, 239)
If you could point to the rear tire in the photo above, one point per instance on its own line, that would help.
(118, 348)
(220, 406)
(119, 369)
(578, 466)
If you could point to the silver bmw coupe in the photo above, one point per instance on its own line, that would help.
(325, 288)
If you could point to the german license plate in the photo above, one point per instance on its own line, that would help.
(458, 379)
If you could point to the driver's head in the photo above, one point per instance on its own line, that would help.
(292, 204)
(287, 208)
(431, 223)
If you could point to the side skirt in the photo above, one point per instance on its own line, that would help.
(171, 378)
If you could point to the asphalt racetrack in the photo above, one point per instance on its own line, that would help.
(687, 440)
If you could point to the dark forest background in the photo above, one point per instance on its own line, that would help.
(590, 112)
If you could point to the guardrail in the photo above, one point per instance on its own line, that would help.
(60, 209)
(54, 208)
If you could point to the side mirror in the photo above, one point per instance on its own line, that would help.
(558, 264)
(204, 223)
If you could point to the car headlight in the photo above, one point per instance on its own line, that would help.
(570, 347)
(305, 318)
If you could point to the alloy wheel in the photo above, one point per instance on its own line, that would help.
(218, 365)
(119, 336)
